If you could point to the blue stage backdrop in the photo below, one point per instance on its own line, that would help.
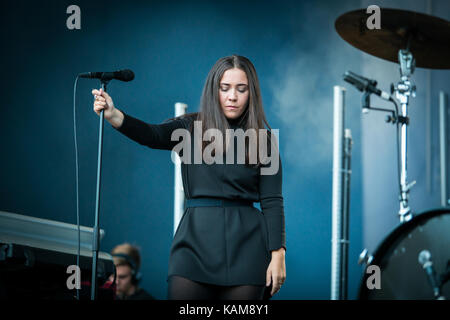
(171, 45)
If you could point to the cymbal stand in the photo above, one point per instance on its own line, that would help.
(404, 89)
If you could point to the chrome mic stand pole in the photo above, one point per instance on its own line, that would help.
(96, 238)
(345, 242)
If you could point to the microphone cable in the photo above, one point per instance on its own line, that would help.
(76, 179)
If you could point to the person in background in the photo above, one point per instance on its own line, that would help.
(128, 261)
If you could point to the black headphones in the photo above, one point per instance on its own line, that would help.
(135, 274)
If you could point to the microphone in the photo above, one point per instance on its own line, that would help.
(364, 84)
(427, 265)
(122, 75)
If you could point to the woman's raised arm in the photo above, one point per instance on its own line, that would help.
(155, 136)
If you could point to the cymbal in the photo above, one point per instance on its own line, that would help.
(428, 36)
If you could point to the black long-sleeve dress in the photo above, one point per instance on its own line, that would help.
(220, 245)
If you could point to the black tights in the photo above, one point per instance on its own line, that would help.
(184, 289)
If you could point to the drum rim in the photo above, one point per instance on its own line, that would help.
(393, 235)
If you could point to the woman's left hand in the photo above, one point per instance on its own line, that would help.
(276, 272)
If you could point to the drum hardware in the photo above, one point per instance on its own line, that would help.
(402, 90)
(412, 40)
(365, 257)
(402, 277)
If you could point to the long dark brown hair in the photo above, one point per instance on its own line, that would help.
(211, 114)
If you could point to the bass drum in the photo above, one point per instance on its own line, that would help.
(402, 277)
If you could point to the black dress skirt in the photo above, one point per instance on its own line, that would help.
(220, 245)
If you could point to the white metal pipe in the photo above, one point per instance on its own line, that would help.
(337, 206)
(178, 206)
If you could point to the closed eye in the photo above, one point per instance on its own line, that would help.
(241, 88)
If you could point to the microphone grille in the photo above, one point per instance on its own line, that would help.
(424, 256)
(125, 75)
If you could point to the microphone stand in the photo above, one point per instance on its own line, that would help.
(96, 238)
(403, 90)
